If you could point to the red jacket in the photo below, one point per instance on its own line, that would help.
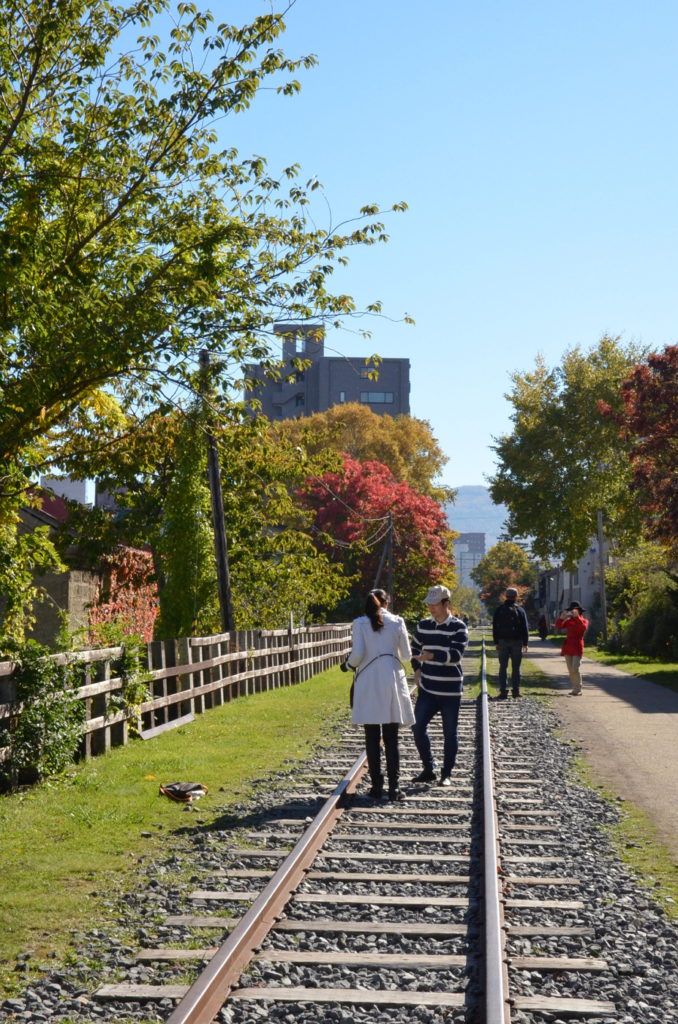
(575, 629)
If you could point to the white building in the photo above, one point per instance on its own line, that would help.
(558, 586)
(74, 490)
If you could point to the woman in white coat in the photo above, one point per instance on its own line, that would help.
(381, 699)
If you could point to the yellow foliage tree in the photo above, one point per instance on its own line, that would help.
(403, 443)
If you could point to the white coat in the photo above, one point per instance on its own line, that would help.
(381, 693)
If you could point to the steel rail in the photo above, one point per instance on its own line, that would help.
(209, 991)
(497, 1009)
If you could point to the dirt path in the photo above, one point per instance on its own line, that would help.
(628, 730)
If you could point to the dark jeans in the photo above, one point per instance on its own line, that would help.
(428, 704)
(373, 733)
(512, 649)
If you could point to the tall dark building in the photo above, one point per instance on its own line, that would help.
(328, 380)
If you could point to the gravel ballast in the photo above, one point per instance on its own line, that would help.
(631, 930)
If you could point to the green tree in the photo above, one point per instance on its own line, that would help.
(158, 473)
(466, 603)
(128, 239)
(507, 564)
(403, 443)
(564, 459)
(642, 600)
(23, 556)
(189, 600)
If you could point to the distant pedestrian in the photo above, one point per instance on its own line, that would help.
(510, 634)
(542, 627)
(381, 697)
(438, 646)
(575, 625)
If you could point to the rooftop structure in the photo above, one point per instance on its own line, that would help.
(327, 380)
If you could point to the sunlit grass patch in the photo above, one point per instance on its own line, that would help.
(664, 673)
(636, 840)
(70, 846)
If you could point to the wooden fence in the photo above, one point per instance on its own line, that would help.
(190, 676)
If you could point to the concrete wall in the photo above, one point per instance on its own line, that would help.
(67, 592)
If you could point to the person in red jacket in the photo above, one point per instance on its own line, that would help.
(575, 625)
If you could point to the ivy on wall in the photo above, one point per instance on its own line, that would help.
(128, 598)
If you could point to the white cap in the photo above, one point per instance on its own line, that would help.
(437, 594)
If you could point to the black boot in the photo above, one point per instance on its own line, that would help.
(376, 790)
(390, 733)
(373, 751)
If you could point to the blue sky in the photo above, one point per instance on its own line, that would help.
(536, 147)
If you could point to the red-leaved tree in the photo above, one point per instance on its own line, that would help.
(351, 509)
(649, 422)
(128, 601)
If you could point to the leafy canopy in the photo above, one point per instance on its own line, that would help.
(130, 238)
(163, 504)
(507, 564)
(351, 509)
(564, 460)
(648, 422)
(404, 444)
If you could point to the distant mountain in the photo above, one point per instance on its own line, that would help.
(475, 512)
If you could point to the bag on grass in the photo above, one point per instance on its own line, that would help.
(183, 792)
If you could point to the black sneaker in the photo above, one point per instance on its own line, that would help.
(502, 696)
(515, 694)
(428, 775)
(396, 794)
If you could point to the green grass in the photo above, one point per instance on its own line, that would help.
(665, 673)
(636, 841)
(68, 847)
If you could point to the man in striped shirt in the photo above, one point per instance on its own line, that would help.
(438, 646)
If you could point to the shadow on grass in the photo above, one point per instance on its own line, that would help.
(641, 666)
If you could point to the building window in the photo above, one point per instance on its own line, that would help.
(376, 397)
(299, 400)
(366, 372)
(342, 396)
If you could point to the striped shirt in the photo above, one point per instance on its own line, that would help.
(447, 641)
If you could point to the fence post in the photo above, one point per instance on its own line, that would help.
(107, 701)
(291, 653)
(226, 671)
(185, 679)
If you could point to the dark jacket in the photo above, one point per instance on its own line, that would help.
(509, 622)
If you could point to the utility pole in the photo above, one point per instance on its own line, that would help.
(601, 557)
(381, 564)
(218, 519)
(389, 588)
(387, 554)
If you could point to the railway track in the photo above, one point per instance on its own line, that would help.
(451, 903)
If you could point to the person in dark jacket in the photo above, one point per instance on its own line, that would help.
(510, 635)
(575, 625)
(438, 646)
